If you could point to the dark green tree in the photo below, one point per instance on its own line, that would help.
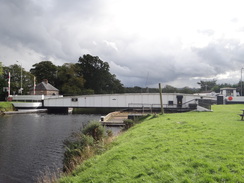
(44, 70)
(207, 85)
(187, 90)
(97, 75)
(69, 81)
(3, 83)
(1, 68)
(169, 89)
(135, 89)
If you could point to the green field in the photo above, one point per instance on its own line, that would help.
(183, 147)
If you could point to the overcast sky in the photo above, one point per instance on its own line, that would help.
(174, 42)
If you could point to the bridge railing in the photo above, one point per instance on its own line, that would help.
(151, 107)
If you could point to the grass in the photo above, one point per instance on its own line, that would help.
(184, 147)
(6, 106)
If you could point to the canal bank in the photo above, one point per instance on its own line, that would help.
(182, 147)
(6, 106)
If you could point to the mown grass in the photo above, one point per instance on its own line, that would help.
(184, 147)
(6, 106)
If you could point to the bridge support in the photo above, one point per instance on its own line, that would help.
(58, 110)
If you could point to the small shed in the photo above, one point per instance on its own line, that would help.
(228, 92)
(44, 88)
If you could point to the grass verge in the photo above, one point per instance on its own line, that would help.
(183, 147)
(6, 106)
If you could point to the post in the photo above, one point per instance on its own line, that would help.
(9, 83)
(34, 88)
(241, 81)
(21, 77)
(161, 98)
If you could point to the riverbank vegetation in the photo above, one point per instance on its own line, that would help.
(182, 147)
(91, 140)
(6, 106)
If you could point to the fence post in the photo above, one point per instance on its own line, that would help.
(161, 98)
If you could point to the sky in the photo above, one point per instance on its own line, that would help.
(145, 42)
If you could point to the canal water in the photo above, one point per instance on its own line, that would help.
(33, 143)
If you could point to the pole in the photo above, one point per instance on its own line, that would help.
(161, 98)
(9, 83)
(21, 77)
(241, 81)
(34, 88)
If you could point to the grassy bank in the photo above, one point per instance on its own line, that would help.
(6, 106)
(184, 147)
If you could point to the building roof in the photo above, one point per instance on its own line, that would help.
(45, 86)
(227, 88)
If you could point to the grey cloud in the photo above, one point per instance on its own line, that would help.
(222, 56)
(50, 31)
(62, 31)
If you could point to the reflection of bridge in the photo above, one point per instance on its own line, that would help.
(143, 101)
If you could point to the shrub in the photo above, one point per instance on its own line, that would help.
(128, 123)
(78, 140)
(109, 133)
(94, 129)
(74, 148)
(84, 144)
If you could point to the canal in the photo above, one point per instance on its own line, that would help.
(33, 143)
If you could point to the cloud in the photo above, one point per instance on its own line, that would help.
(207, 32)
(145, 42)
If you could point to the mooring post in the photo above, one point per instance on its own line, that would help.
(161, 98)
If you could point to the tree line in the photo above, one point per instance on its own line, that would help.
(90, 75)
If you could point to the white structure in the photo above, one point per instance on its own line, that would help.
(229, 96)
(152, 100)
(29, 101)
(228, 92)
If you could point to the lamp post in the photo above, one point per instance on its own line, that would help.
(21, 80)
(241, 80)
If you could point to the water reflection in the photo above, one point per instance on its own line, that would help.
(29, 143)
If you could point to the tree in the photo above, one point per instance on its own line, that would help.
(169, 89)
(1, 68)
(135, 89)
(69, 81)
(44, 70)
(114, 85)
(3, 83)
(15, 71)
(187, 90)
(207, 85)
(97, 75)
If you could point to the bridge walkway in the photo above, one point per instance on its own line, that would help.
(114, 119)
(117, 118)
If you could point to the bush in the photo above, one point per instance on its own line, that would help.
(74, 147)
(109, 133)
(94, 129)
(128, 123)
(78, 140)
(83, 144)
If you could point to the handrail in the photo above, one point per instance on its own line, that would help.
(190, 101)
